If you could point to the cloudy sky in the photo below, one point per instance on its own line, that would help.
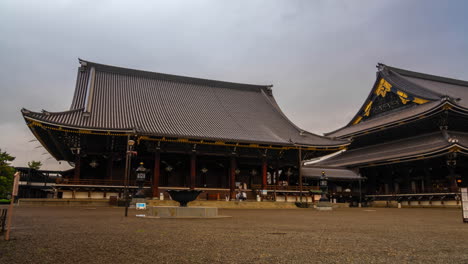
(319, 55)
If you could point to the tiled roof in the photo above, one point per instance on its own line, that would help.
(398, 150)
(388, 120)
(114, 98)
(433, 88)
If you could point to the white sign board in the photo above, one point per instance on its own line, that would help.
(140, 206)
(464, 199)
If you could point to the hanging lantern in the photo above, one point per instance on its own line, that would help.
(93, 164)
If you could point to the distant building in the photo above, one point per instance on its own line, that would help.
(39, 183)
(190, 132)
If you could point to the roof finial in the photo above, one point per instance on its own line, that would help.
(380, 66)
(82, 62)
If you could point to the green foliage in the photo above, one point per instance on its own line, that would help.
(303, 204)
(6, 174)
(35, 164)
(4, 201)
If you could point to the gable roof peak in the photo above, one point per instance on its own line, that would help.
(172, 77)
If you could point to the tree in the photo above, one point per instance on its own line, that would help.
(6, 174)
(35, 164)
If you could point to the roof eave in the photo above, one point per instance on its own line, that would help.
(425, 114)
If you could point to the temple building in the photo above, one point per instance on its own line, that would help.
(409, 138)
(190, 133)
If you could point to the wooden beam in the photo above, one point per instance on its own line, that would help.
(203, 153)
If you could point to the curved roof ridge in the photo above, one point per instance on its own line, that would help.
(402, 83)
(173, 77)
(271, 100)
(427, 76)
(45, 112)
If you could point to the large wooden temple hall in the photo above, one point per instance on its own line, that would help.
(191, 133)
(409, 138)
(408, 141)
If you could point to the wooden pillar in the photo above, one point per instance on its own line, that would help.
(193, 170)
(452, 180)
(232, 178)
(110, 164)
(407, 175)
(76, 176)
(276, 178)
(264, 173)
(427, 179)
(156, 173)
(300, 173)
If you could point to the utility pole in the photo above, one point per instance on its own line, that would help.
(10, 208)
(128, 158)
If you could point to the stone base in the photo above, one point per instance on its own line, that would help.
(183, 212)
(324, 206)
(134, 201)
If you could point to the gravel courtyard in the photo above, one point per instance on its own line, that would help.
(345, 235)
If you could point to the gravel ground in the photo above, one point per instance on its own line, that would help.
(345, 235)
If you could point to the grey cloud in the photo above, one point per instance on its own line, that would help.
(320, 55)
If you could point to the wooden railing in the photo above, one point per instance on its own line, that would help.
(420, 191)
(285, 188)
(98, 182)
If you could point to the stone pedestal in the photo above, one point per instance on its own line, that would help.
(324, 206)
(183, 212)
(134, 201)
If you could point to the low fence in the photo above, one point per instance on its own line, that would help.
(64, 202)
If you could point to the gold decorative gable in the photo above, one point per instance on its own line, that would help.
(381, 90)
